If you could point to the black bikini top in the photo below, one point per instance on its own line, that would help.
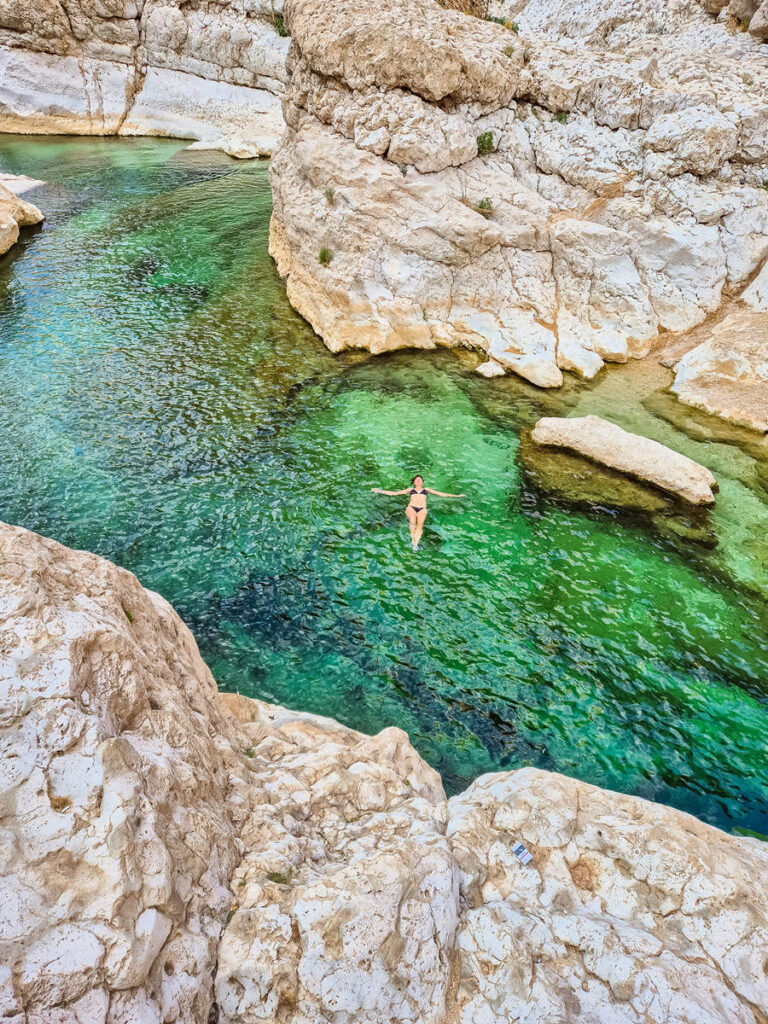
(414, 491)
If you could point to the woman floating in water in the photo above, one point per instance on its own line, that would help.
(416, 511)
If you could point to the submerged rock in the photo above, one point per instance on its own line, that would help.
(727, 373)
(554, 198)
(15, 213)
(565, 478)
(637, 456)
(175, 854)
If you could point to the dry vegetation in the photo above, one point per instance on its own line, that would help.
(477, 8)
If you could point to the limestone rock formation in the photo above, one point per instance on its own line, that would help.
(211, 71)
(15, 213)
(552, 198)
(727, 373)
(169, 854)
(637, 456)
(625, 915)
(120, 811)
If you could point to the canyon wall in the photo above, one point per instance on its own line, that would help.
(555, 193)
(172, 854)
(206, 70)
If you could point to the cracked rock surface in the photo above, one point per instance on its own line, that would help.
(172, 854)
(207, 70)
(554, 194)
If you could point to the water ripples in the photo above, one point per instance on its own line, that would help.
(167, 409)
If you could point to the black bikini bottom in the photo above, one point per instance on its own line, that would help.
(416, 509)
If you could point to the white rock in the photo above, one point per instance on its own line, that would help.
(207, 72)
(624, 194)
(699, 139)
(727, 373)
(49, 94)
(490, 368)
(756, 294)
(600, 927)
(234, 118)
(637, 456)
(19, 183)
(15, 213)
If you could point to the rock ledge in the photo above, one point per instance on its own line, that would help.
(168, 853)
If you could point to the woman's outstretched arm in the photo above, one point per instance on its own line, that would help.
(378, 490)
(441, 494)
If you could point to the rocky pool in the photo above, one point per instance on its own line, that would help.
(164, 407)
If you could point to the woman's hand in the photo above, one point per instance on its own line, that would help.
(375, 490)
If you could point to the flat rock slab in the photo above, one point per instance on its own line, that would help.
(19, 183)
(727, 374)
(633, 454)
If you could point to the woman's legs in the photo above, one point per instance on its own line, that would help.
(412, 516)
(420, 517)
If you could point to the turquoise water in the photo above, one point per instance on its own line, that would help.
(166, 408)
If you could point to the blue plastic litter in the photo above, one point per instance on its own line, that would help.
(522, 853)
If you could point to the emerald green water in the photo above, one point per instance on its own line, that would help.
(164, 407)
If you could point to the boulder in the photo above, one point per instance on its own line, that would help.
(15, 213)
(636, 456)
(758, 24)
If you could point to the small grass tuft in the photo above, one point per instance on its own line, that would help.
(512, 26)
(485, 144)
(330, 195)
(485, 206)
(280, 877)
(325, 256)
(561, 117)
(509, 51)
(279, 23)
(249, 752)
(128, 614)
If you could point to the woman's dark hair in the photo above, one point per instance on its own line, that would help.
(416, 478)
